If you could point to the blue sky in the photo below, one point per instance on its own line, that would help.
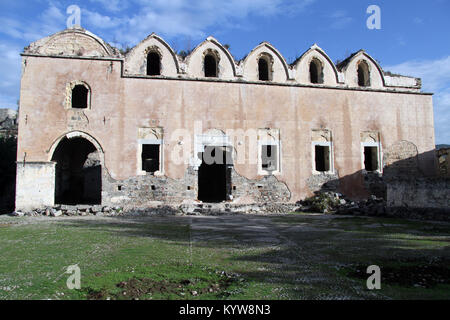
(413, 40)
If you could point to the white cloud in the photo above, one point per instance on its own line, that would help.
(99, 21)
(129, 22)
(435, 75)
(42, 25)
(188, 18)
(112, 5)
(10, 79)
(340, 19)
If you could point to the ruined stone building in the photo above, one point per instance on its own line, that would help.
(8, 123)
(100, 127)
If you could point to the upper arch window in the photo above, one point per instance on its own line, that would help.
(263, 69)
(363, 74)
(316, 71)
(210, 66)
(153, 64)
(80, 97)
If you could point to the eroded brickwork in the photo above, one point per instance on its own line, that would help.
(150, 190)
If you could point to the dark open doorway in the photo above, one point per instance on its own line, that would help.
(214, 175)
(78, 172)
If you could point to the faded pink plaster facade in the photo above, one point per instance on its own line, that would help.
(121, 103)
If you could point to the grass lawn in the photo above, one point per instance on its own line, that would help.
(228, 257)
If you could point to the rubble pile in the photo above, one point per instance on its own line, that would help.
(336, 203)
(65, 210)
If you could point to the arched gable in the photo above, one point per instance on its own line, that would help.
(302, 65)
(278, 67)
(72, 42)
(350, 68)
(136, 59)
(226, 64)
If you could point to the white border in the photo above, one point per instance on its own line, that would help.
(380, 156)
(159, 142)
(313, 157)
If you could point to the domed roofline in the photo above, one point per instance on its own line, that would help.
(35, 46)
(217, 43)
(344, 64)
(318, 49)
(164, 43)
(275, 51)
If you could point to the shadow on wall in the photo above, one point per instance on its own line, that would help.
(405, 181)
(8, 153)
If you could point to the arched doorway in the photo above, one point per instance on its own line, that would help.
(78, 178)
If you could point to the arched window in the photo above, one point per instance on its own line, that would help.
(263, 68)
(210, 66)
(363, 74)
(316, 71)
(153, 64)
(80, 96)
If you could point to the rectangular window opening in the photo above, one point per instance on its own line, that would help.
(322, 158)
(150, 158)
(371, 158)
(269, 157)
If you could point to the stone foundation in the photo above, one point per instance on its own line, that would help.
(35, 185)
(425, 193)
(150, 191)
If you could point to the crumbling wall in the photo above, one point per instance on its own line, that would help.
(267, 189)
(8, 122)
(443, 156)
(323, 182)
(419, 193)
(147, 190)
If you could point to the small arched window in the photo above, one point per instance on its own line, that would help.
(363, 74)
(316, 71)
(80, 97)
(210, 66)
(153, 64)
(263, 69)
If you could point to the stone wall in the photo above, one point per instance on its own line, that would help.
(419, 193)
(444, 162)
(8, 122)
(148, 190)
(35, 185)
(123, 102)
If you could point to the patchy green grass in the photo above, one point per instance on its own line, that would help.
(301, 256)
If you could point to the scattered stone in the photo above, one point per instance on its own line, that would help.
(57, 213)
